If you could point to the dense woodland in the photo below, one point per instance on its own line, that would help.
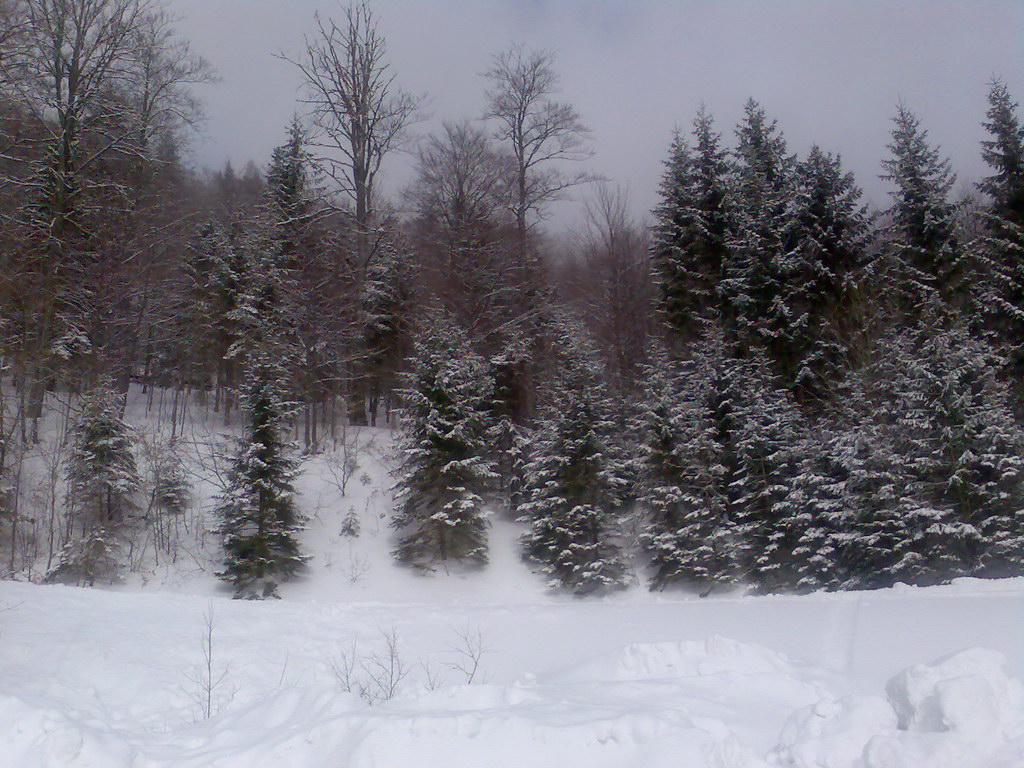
(771, 387)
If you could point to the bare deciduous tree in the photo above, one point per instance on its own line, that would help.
(540, 130)
(612, 281)
(358, 112)
(463, 230)
(164, 69)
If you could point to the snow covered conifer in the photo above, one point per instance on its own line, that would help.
(825, 239)
(102, 472)
(259, 518)
(102, 481)
(768, 440)
(684, 475)
(288, 182)
(689, 245)
(955, 456)
(1004, 154)
(1001, 283)
(444, 458)
(928, 257)
(755, 273)
(575, 481)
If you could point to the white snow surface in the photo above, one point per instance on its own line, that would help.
(119, 677)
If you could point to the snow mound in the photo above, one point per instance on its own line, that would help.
(832, 733)
(961, 711)
(40, 736)
(966, 692)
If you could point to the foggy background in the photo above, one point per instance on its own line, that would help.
(831, 72)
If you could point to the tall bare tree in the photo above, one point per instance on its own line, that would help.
(358, 112)
(90, 80)
(464, 231)
(540, 131)
(612, 282)
(359, 115)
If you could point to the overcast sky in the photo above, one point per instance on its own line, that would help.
(831, 71)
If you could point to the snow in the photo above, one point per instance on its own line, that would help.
(120, 677)
(108, 679)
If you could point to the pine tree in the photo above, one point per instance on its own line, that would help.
(259, 518)
(260, 318)
(102, 473)
(1001, 283)
(102, 482)
(215, 274)
(288, 194)
(949, 456)
(768, 438)
(386, 299)
(756, 273)
(444, 465)
(689, 248)
(171, 489)
(684, 497)
(574, 483)
(928, 259)
(825, 237)
(1004, 154)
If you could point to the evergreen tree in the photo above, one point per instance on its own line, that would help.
(948, 464)
(724, 490)
(928, 258)
(768, 438)
(1004, 154)
(685, 494)
(171, 489)
(825, 236)
(386, 300)
(689, 248)
(259, 519)
(101, 469)
(288, 195)
(444, 467)
(756, 273)
(574, 483)
(1000, 285)
(102, 481)
(260, 318)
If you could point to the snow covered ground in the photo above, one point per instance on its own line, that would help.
(119, 679)
(365, 664)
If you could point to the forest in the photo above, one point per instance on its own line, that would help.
(771, 387)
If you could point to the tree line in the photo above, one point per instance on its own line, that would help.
(771, 386)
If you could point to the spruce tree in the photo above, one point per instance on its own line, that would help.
(288, 178)
(684, 481)
(574, 483)
(103, 480)
(1000, 286)
(689, 247)
(386, 299)
(757, 271)
(768, 438)
(950, 458)
(928, 258)
(102, 473)
(444, 466)
(825, 239)
(1004, 154)
(259, 518)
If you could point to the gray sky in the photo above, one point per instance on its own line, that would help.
(831, 71)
